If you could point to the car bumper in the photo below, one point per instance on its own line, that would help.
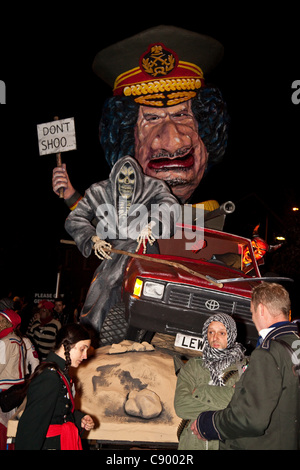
(164, 318)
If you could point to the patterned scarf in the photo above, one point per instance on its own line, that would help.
(217, 360)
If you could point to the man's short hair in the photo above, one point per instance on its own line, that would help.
(274, 296)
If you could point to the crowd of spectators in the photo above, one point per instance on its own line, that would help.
(28, 333)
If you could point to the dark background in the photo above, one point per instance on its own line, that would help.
(46, 59)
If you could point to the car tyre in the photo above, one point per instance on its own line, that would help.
(115, 326)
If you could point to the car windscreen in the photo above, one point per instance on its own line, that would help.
(205, 245)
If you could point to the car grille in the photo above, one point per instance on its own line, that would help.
(207, 301)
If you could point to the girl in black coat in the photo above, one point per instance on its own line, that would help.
(49, 420)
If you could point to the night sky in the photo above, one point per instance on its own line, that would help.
(46, 66)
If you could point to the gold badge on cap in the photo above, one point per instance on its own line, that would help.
(158, 62)
(161, 79)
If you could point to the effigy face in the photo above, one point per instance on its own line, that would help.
(168, 147)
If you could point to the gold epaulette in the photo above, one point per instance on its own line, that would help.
(209, 205)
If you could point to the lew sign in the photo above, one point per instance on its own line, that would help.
(189, 342)
(56, 136)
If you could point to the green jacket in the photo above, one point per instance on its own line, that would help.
(194, 394)
(264, 413)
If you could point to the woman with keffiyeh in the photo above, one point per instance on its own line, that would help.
(207, 383)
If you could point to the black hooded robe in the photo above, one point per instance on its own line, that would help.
(105, 288)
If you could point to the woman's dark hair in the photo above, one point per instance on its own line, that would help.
(119, 117)
(68, 336)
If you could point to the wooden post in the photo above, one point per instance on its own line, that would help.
(57, 285)
(59, 163)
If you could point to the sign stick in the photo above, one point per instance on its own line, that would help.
(59, 163)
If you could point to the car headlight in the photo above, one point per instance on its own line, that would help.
(153, 289)
(137, 290)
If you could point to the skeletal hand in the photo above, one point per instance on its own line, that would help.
(101, 248)
(146, 233)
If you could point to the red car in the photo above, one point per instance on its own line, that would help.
(172, 298)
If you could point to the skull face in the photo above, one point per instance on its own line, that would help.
(126, 181)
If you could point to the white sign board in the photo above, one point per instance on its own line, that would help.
(56, 136)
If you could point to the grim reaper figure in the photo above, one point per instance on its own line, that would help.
(127, 208)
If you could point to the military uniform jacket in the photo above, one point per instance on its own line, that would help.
(48, 402)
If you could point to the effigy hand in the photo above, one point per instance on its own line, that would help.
(60, 179)
(146, 234)
(101, 248)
